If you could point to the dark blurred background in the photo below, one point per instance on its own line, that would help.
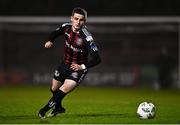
(138, 41)
(94, 7)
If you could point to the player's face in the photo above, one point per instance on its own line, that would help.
(78, 21)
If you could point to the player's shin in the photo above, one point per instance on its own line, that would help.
(49, 105)
(58, 104)
(58, 99)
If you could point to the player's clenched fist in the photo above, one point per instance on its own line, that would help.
(48, 44)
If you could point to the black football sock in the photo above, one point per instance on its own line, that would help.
(53, 92)
(58, 99)
(50, 103)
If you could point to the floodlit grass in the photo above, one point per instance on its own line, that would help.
(20, 104)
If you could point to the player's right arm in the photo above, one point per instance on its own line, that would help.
(59, 31)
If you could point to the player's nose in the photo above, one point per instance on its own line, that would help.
(78, 21)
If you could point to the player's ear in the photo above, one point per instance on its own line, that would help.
(71, 18)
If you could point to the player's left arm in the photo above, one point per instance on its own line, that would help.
(94, 58)
(93, 52)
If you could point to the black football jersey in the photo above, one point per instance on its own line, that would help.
(77, 46)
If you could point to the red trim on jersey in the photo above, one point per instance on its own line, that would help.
(69, 40)
(74, 45)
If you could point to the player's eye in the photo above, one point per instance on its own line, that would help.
(75, 18)
(81, 20)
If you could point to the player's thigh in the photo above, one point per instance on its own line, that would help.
(55, 84)
(68, 85)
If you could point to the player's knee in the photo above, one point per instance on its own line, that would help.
(53, 91)
(64, 89)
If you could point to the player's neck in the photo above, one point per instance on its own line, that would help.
(75, 30)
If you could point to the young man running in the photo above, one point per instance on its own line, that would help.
(78, 45)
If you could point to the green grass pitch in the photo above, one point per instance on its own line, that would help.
(88, 105)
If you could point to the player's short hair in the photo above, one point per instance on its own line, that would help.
(80, 11)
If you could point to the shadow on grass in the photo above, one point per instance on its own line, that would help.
(22, 119)
(15, 117)
(97, 115)
(92, 115)
(34, 119)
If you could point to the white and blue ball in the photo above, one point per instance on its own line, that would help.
(146, 110)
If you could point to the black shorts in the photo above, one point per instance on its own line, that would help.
(64, 72)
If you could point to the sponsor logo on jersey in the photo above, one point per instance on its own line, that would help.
(73, 48)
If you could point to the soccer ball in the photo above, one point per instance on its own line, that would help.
(146, 110)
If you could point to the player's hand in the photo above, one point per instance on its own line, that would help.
(48, 44)
(76, 67)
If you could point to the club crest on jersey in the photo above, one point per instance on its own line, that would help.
(56, 73)
(79, 41)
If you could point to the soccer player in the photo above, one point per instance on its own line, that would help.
(78, 45)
